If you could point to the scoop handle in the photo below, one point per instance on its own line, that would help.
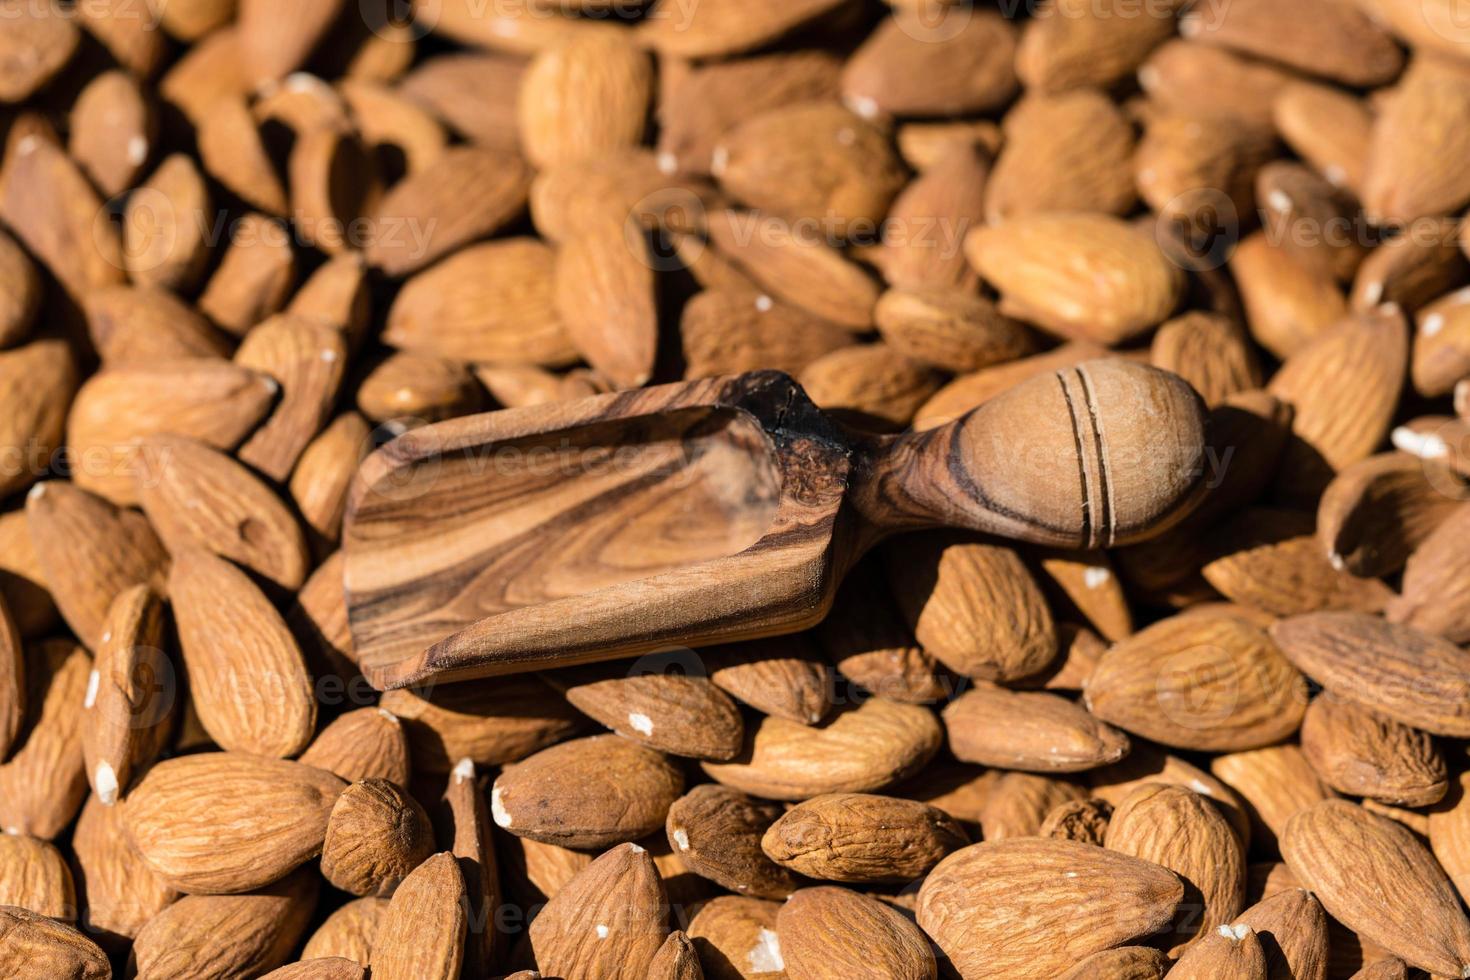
(1100, 454)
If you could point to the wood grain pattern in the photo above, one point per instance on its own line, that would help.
(721, 510)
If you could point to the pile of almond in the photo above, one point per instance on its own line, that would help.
(243, 242)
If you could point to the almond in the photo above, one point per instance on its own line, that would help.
(208, 399)
(412, 389)
(34, 876)
(923, 237)
(348, 933)
(1070, 44)
(121, 893)
(716, 832)
(307, 359)
(1176, 828)
(867, 641)
(491, 722)
(229, 934)
(833, 931)
(1360, 753)
(584, 97)
(725, 27)
(1018, 804)
(1229, 951)
(856, 750)
(1275, 783)
(910, 67)
(605, 295)
(1328, 128)
(1210, 352)
(1287, 304)
(253, 279)
(782, 676)
(949, 329)
(1376, 512)
(37, 382)
(1293, 932)
(324, 969)
(223, 823)
(112, 130)
(670, 712)
(1319, 37)
(143, 324)
(1343, 853)
(41, 42)
(233, 152)
(676, 959)
(1039, 170)
(376, 836)
(730, 331)
(1083, 276)
(1436, 585)
(1203, 681)
(871, 385)
(1193, 77)
(129, 708)
(608, 920)
(1146, 764)
(37, 942)
(1433, 98)
(12, 681)
(587, 793)
(43, 784)
(249, 681)
(465, 810)
(324, 473)
(361, 744)
(198, 497)
(1085, 821)
(1078, 899)
(22, 291)
(1032, 731)
(1123, 963)
(853, 837)
(1183, 151)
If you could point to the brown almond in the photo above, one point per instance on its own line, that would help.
(1287, 304)
(1199, 682)
(725, 27)
(233, 153)
(1376, 512)
(1210, 352)
(857, 750)
(34, 876)
(861, 838)
(1345, 854)
(465, 811)
(1018, 803)
(1071, 44)
(670, 712)
(319, 621)
(1229, 951)
(491, 302)
(974, 606)
(730, 331)
(1029, 730)
(716, 833)
(362, 744)
(607, 921)
(1123, 963)
(1412, 677)
(736, 939)
(872, 385)
(277, 37)
(1360, 753)
(782, 676)
(1311, 218)
(1293, 932)
(1176, 828)
(37, 382)
(122, 893)
(585, 97)
(969, 904)
(112, 131)
(605, 295)
(715, 97)
(1275, 783)
(130, 702)
(949, 329)
(909, 66)
(241, 934)
(44, 782)
(466, 194)
(491, 722)
(1147, 764)
(587, 793)
(798, 269)
(441, 85)
(1083, 276)
(208, 399)
(1192, 77)
(1183, 151)
(376, 835)
(676, 959)
(37, 942)
(1328, 128)
(1318, 37)
(254, 278)
(41, 41)
(866, 639)
(412, 389)
(138, 325)
(249, 681)
(198, 497)
(348, 933)
(307, 359)
(224, 823)
(1432, 97)
(1442, 344)
(323, 475)
(13, 694)
(1436, 585)
(830, 931)
(1085, 821)
(324, 969)
(923, 236)
(1040, 170)
(22, 291)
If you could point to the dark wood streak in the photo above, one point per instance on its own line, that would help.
(1086, 496)
(1103, 533)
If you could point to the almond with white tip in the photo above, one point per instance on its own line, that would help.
(44, 782)
(736, 939)
(716, 832)
(834, 932)
(1229, 951)
(362, 744)
(607, 921)
(1293, 931)
(673, 713)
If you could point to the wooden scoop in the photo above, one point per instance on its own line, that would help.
(722, 510)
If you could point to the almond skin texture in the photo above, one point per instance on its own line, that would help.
(1018, 804)
(949, 329)
(1200, 682)
(588, 793)
(1078, 900)
(1082, 276)
(1409, 676)
(1123, 963)
(607, 922)
(376, 836)
(122, 893)
(1293, 931)
(1345, 854)
(1229, 951)
(671, 713)
(1178, 829)
(34, 942)
(1275, 783)
(856, 750)
(249, 681)
(974, 606)
(1029, 730)
(833, 932)
(348, 932)
(906, 69)
(44, 782)
(368, 742)
(717, 831)
(34, 875)
(422, 933)
(1147, 764)
(858, 838)
(584, 98)
(222, 823)
(1359, 753)
(1433, 98)
(783, 676)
